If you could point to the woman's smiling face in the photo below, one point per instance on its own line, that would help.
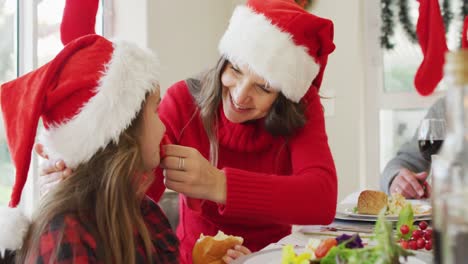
(246, 95)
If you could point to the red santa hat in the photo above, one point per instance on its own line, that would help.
(281, 42)
(431, 37)
(465, 34)
(79, 19)
(87, 95)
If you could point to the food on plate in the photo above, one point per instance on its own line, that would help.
(410, 236)
(371, 202)
(348, 249)
(396, 202)
(211, 249)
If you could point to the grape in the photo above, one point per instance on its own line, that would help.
(413, 245)
(428, 245)
(404, 229)
(423, 225)
(417, 234)
(428, 234)
(420, 243)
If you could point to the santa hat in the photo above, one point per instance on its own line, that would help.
(87, 95)
(79, 19)
(431, 36)
(465, 34)
(281, 42)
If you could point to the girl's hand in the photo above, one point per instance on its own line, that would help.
(188, 172)
(235, 253)
(51, 172)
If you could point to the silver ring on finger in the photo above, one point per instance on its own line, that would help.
(181, 164)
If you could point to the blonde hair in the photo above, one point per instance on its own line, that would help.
(105, 194)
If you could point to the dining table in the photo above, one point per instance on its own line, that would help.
(342, 224)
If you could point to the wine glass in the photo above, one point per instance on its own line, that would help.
(431, 135)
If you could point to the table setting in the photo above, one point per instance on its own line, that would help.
(347, 222)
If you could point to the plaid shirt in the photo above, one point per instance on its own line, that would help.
(79, 246)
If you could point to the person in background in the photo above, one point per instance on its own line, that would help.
(99, 105)
(250, 154)
(407, 172)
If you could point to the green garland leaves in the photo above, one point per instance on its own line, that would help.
(387, 24)
(406, 22)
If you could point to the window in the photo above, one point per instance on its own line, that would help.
(395, 108)
(30, 36)
(8, 71)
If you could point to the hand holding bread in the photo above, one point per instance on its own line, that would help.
(212, 249)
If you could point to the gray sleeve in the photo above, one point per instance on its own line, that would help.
(408, 156)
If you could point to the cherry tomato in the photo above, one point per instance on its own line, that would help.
(404, 229)
(423, 225)
(428, 234)
(404, 244)
(420, 243)
(428, 245)
(324, 247)
(413, 245)
(417, 234)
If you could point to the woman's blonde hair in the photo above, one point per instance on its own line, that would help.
(284, 119)
(105, 195)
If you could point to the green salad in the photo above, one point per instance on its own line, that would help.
(385, 251)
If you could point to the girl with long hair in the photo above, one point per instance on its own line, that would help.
(99, 104)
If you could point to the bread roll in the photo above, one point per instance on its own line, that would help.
(210, 250)
(371, 202)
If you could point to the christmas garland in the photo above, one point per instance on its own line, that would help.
(387, 24)
(405, 20)
(463, 14)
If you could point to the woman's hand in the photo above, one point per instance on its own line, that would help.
(235, 253)
(51, 172)
(188, 172)
(411, 185)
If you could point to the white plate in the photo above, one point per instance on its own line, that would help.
(273, 256)
(346, 212)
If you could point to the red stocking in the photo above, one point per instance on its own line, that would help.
(431, 36)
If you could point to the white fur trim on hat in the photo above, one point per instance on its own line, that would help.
(131, 73)
(251, 39)
(13, 225)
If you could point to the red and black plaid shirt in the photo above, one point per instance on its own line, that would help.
(79, 246)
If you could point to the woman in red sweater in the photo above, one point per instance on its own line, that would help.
(250, 154)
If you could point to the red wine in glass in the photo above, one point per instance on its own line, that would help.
(429, 148)
(431, 135)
